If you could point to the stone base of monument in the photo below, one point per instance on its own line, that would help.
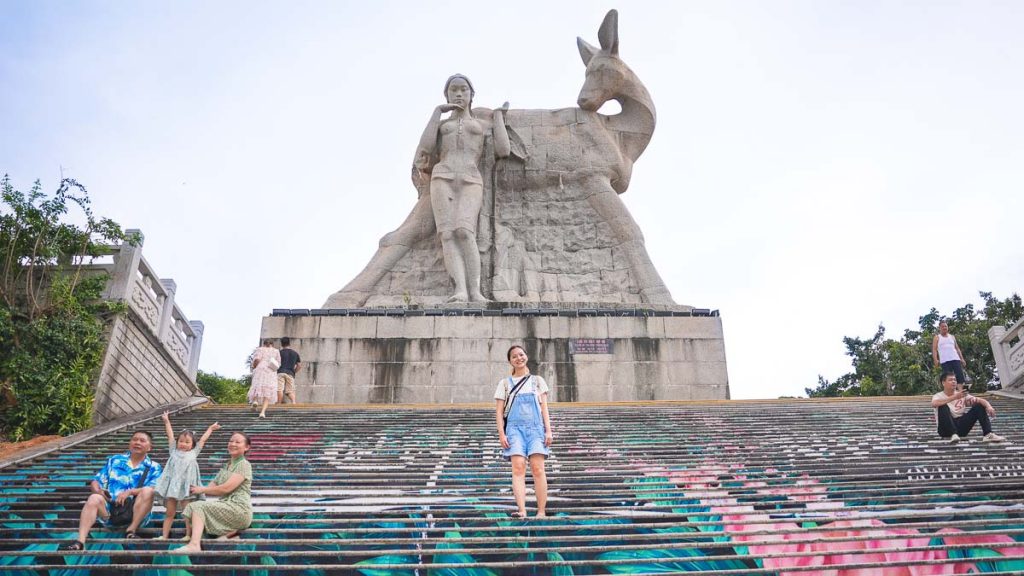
(450, 355)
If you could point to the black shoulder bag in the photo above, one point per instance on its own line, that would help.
(121, 514)
(509, 397)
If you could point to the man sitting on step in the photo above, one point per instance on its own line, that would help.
(127, 480)
(956, 411)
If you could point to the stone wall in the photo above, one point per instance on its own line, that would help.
(444, 359)
(153, 350)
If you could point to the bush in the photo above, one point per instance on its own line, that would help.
(904, 367)
(52, 320)
(222, 390)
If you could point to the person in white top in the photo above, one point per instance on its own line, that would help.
(946, 352)
(956, 411)
(524, 429)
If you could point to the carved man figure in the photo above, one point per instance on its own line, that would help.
(446, 160)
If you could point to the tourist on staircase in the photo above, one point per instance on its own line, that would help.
(524, 429)
(122, 492)
(181, 471)
(232, 512)
(263, 389)
(291, 363)
(956, 411)
(946, 353)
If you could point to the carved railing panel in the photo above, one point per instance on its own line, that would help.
(179, 337)
(152, 299)
(1008, 349)
(146, 301)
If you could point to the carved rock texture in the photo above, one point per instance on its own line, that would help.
(552, 227)
(541, 239)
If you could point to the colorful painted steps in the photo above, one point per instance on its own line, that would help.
(740, 487)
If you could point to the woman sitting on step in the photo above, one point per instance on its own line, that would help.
(524, 429)
(232, 512)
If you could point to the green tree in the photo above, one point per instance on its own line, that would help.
(887, 367)
(52, 319)
(222, 390)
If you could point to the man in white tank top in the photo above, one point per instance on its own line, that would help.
(946, 352)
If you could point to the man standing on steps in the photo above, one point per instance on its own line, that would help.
(126, 478)
(946, 352)
(290, 366)
(956, 411)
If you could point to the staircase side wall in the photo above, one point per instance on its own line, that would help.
(138, 373)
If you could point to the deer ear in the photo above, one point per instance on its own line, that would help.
(608, 33)
(586, 50)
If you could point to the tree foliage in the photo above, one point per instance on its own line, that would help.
(52, 320)
(222, 390)
(887, 367)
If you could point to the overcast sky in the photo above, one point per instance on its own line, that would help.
(817, 168)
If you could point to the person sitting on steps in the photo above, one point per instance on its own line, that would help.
(956, 411)
(129, 475)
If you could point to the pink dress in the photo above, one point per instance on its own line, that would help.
(264, 375)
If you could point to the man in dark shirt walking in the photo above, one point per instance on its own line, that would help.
(290, 365)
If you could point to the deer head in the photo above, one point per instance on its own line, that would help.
(606, 73)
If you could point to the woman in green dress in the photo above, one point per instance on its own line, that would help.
(232, 511)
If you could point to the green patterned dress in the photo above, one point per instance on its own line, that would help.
(232, 511)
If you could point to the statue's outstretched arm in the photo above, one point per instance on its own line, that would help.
(502, 147)
(428, 141)
(427, 149)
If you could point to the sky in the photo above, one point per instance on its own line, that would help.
(818, 167)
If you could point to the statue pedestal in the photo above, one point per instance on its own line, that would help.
(426, 356)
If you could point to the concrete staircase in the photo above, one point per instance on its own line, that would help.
(741, 487)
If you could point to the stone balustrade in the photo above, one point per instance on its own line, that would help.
(1008, 350)
(153, 352)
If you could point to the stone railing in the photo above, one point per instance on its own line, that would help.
(151, 298)
(152, 354)
(1008, 349)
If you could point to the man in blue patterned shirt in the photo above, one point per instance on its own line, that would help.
(118, 481)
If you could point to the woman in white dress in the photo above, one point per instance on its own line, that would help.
(263, 390)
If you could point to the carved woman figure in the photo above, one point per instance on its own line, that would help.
(447, 159)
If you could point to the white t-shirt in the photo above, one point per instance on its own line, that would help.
(957, 407)
(947, 348)
(535, 384)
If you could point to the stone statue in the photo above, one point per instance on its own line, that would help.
(544, 186)
(446, 161)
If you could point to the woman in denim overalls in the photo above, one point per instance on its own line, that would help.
(528, 433)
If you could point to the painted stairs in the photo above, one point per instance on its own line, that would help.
(857, 486)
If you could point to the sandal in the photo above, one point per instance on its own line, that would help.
(74, 546)
(130, 535)
(518, 515)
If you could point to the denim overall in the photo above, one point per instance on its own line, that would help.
(525, 426)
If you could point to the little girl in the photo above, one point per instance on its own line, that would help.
(181, 471)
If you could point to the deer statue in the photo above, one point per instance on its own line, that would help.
(608, 78)
(552, 227)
